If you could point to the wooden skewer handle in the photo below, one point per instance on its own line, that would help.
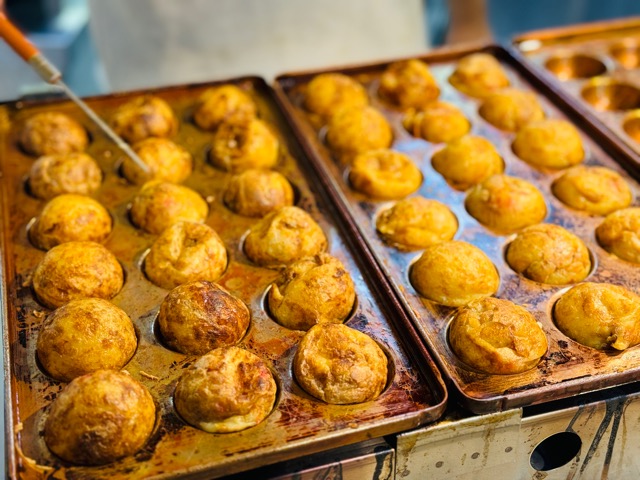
(16, 39)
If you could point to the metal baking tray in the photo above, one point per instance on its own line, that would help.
(568, 368)
(299, 424)
(597, 65)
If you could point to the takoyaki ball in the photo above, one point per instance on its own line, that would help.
(144, 117)
(594, 190)
(53, 175)
(415, 223)
(197, 317)
(99, 418)
(511, 109)
(600, 315)
(467, 161)
(284, 236)
(227, 390)
(479, 75)
(437, 122)
(340, 365)
(329, 92)
(218, 104)
(549, 254)
(83, 336)
(76, 270)
(453, 273)
(409, 83)
(167, 162)
(497, 336)
(619, 234)
(185, 252)
(244, 143)
(51, 133)
(312, 290)
(506, 204)
(255, 192)
(549, 143)
(70, 217)
(384, 174)
(159, 205)
(358, 129)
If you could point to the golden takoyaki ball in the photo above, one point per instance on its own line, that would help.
(51, 133)
(409, 83)
(329, 92)
(284, 236)
(185, 252)
(197, 317)
(83, 336)
(384, 174)
(594, 190)
(53, 175)
(467, 161)
(159, 205)
(144, 117)
(600, 315)
(437, 122)
(167, 162)
(75, 270)
(506, 204)
(511, 109)
(416, 223)
(255, 192)
(549, 254)
(479, 75)
(312, 290)
(340, 365)
(497, 336)
(619, 234)
(218, 104)
(99, 418)
(227, 390)
(354, 130)
(549, 143)
(454, 273)
(70, 217)
(244, 143)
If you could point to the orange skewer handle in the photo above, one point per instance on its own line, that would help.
(16, 39)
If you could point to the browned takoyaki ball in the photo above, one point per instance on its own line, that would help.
(329, 92)
(619, 234)
(497, 336)
(167, 162)
(75, 270)
(144, 117)
(354, 130)
(244, 143)
(255, 192)
(159, 205)
(409, 83)
(384, 174)
(436, 122)
(99, 418)
(196, 317)
(312, 290)
(284, 236)
(218, 104)
(53, 175)
(69, 218)
(479, 75)
(549, 143)
(227, 390)
(83, 336)
(511, 109)
(185, 252)
(340, 365)
(51, 133)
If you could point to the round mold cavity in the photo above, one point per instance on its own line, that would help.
(607, 94)
(569, 66)
(631, 125)
(555, 451)
(627, 52)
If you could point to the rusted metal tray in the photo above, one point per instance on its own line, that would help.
(298, 424)
(597, 65)
(567, 368)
